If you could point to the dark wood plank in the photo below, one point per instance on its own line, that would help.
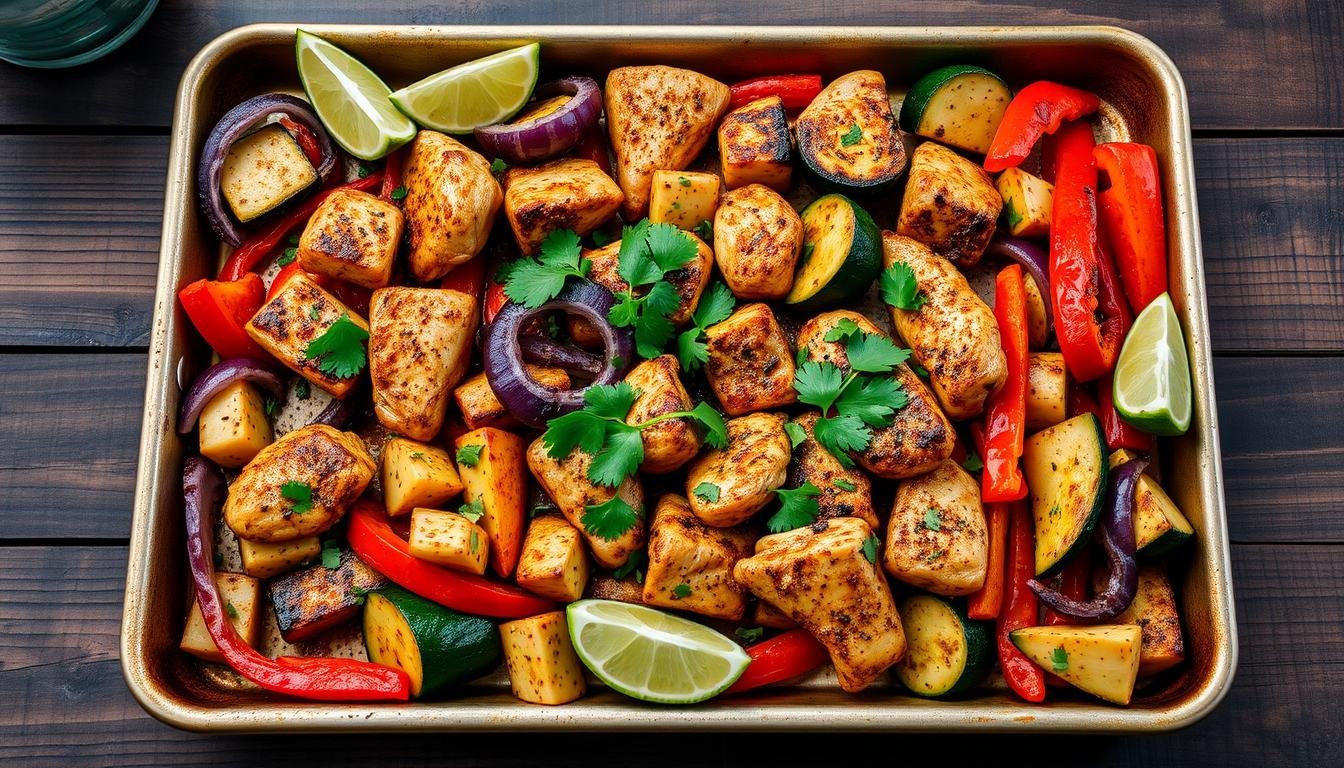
(1224, 50)
(61, 609)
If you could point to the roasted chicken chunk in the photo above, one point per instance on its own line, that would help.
(728, 485)
(668, 444)
(936, 537)
(566, 482)
(950, 204)
(294, 318)
(451, 201)
(565, 194)
(750, 363)
(691, 564)
(352, 236)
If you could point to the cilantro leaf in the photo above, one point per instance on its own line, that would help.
(681, 591)
(633, 262)
(841, 434)
(870, 549)
(473, 509)
(683, 181)
(302, 390)
(611, 401)
(652, 328)
(636, 564)
(299, 495)
(609, 520)
(933, 520)
(972, 462)
(844, 484)
(229, 609)
(339, 351)
(749, 635)
(842, 330)
(271, 405)
(1010, 215)
(874, 353)
(919, 370)
(873, 400)
(818, 384)
(670, 247)
(399, 193)
(900, 289)
(704, 230)
(935, 555)
(707, 491)
(715, 305)
(581, 429)
(691, 351)
(498, 165)
(716, 430)
(1059, 659)
(798, 507)
(331, 554)
(796, 433)
(620, 456)
(534, 282)
(648, 252)
(287, 257)
(851, 137)
(469, 455)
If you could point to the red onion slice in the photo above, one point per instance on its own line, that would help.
(543, 351)
(551, 134)
(1035, 261)
(216, 378)
(336, 414)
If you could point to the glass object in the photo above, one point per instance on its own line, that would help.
(65, 33)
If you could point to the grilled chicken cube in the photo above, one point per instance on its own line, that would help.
(295, 317)
(668, 444)
(950, 204)
(266, 560)
(417, 475)
(448, 539)
(299, 485)
(754, 145)
(683, 198)
(758, 238)
(479, 406)
(845, 492)
(318, 598)
(554, 563)
(565, 194)
(954, 335)
(451, 201)
(821, 577)
(233, 426)
(750, 364)
(263, 171)
(241, 596)
(566, 481)
(689, 282)
(726, 486)
(420, 344)
(691, 564)
(936, 537)
(352, 236)
(659, 118)
(767, 615)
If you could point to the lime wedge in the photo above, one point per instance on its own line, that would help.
(350, 99)
(653, 656)
(479, 93)
(1152, 376)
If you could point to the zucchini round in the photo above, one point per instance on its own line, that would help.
(946, 652)
(842, 254)
(1066, 470)
(958, 105)
(435, 646)
(847, 137)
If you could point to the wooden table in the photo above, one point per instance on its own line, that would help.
(82, 154)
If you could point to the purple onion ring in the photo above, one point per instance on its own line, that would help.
(216, 378)
(551, 134)
(1035, 261)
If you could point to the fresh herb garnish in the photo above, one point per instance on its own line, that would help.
(844, 484)
(270, 405)
(749, 635)
(715, 306)
(339, 351)
(1010, 215)
(681, 591)
(399, 193)
(934, 555)
(609, 520)
(707, 491)
(472, 510)
(648, 253)
(292, 240)
(534, 282)
(363, 171)
(919, 370)
(852, 136)
(469, 455)
(972, 462)
(798, 507)
(315, 312)
(1059, 659)
(229, 609)
(683, 181)
(796, 433)
(299, 495)
(933, 520)
(870, 549)
(359, 593)
(900, 289)
(808, 248)
(291, 253)
(331, 554)
(704, 230)
(635, 565)
(302, 390)
(498, 165)
(600, 238)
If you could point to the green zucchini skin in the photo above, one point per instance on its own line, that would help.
(858, 265)
(941, 108)
(1066, 469)
(453, 647)
(944, 624)
(848, 141)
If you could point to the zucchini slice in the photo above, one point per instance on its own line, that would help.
(1066, 469)
(847, 137)
(1102, 660)
(946, 652)
(959, 105)
(1159, 526)
(842, 254)
(435, 646)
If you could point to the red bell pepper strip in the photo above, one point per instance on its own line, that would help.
(1089, 318)
(1075, 582)
(1119, 433)
(495, 299)
(247, 256)
(468, 277)
(1129, 205)
(782, 657)
(1019, 609)
(286, 274)
(593, 146)
(1006, 412)
(321, 679)
(1040, 108)
(220, 311)
(391, 174)
(305, 139)
(372, 539)
(986, 602)
(796, 91)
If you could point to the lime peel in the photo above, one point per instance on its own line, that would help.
(477, 93)
(1152, 388)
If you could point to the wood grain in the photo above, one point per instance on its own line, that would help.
(61, 609)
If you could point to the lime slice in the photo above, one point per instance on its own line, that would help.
(350, 99)
(1152, 376)
(479, 93)
(653, 656)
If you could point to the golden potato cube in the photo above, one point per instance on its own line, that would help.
(234, 427)
(1027, 202)
(263, 170)
(750, 364)
(543, 668)
(691, 564)
(554, 563)
(448, 539)
(683, 198)
(265, 559)
(417, 475)
(479, 406)
(352, 236)
(754, 145)
(292, 319)
(950, 204)
(241, 596)
(566, 194)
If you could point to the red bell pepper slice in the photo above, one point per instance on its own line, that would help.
(1019, 610)
(1040, 108)
(986, 602)
(1089, 317)
(495, 299)
(782, 657)
(1075, 581)
(796, 91)
(593, 146)
(220, 311)
(1129, 204)
(372, 539)
(391, 174)
(1006, 412)
(1119, 433)
(305, 139)
(468, 277)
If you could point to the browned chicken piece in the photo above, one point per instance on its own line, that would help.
(845, 492)
(451, 201)
(950, 204)
(919, 436)
(479, 406)
(754, 146)
(300, 313)
(566, 482)
(936, 537)
(352, 236)
(726, 486)
(689, 282)
(668, 445)
(821, 577)
(757, 240)
(328, 470)
(691, 564)
(570, 194)
(767, 615)
(750, 364)
(420, 344)
(659, 118)
(954, 335)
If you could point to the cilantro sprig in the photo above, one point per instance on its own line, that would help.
(900, 289)
(715, 307)
(299, 495)
(339, 351)
(533, 282)
(798, 507)
(648, 252)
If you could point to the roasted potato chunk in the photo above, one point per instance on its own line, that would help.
(1047, 390)
(566, 481)
(750, 364)
(689, 282)
(266, 560)
(317, 598)
(683, 198)
(420, 344)
(262, 171)
(845, 492)
(565, 194)
(451, 201)
(479, 406)
(554, 563)
(669, 444)
(296, 316)
(950, 204)
(691, 564)
(417, 475)
(333, 466)
(741, 477)
(241, 596)
(543, 668)
(448, 539)
(936, 537)
(754, 146)
(1027, 203)
(352, 236)
(821, 577)
(1154, 610)
(233, 426)
(495, 477)
(758, 238)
